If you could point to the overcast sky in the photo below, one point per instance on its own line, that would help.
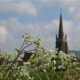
(41, 18)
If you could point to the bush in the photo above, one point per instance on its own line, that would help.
(42, 65)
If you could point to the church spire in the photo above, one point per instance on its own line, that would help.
(61, 33)
(61, 40)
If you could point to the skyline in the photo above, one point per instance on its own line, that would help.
(21, 16)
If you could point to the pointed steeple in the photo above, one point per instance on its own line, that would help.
(61, 40)
(61, 33)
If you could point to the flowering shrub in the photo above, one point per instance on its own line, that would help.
(42, 65)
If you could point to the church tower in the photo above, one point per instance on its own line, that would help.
(61, 41)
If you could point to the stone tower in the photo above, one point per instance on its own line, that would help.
(61, 41)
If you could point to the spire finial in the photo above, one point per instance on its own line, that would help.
(60, 15)
(60, 11)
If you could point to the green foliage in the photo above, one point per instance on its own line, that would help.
(42, 65)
